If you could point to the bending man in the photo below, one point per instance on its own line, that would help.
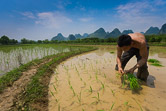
(130, 45)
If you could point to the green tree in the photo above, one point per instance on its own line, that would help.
(24, 41)
(5, 40)
(40, 41)
(46, 41)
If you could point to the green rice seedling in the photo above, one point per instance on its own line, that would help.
(112, 106)
(90, 77)
(52, 93)
(123, 82)
(138, 104)
(83, 110)
(55, 71)
(154, 62)
(66, 68)
(72, 90)
(97, 98)
(112, 52)
(59, 108)
(113, 93)
(126, 103)
(157, 64)
(84, 83)
(134, 85)
(90, 89)
(105, 75)
(57, 100)
(55, 88)
(56, 79)
(69, 82)
(79, 98)
(96, 77)
(77, 71)
(81, 78)
(102, 85)
(117, 75)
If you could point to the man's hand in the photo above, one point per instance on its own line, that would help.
(131, 71)
(121, 71)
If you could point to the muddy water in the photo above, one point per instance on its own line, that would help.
(89, 82)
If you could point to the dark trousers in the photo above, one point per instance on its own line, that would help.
(126, 56)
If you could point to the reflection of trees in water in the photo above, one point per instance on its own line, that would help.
(162, 55)
(102, 50)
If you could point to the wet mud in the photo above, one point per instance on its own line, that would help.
(89, 82)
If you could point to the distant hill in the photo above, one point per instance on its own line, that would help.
(152, 31)
(127, 32)
(142, 32)
(59, 37)
(114, 33)
(78, 36)
(100, 33)
(85, 35)
(71, 37)
(163, 29)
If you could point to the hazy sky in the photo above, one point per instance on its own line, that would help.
(43, 19)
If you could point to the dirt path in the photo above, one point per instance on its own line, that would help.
(88, 82)
(12, 92)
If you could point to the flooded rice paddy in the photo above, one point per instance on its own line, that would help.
(89, 82)
(16, 57)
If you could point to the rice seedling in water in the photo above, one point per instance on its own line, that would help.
(96, 77)
(154, 62)
(77, 71)
(134, 85)
(112, 52)
(52, 93)
(112, 106)
(59, 108)
(113, 93)
(97, 98)
(117, 75)
(90, 89)
(90, 77)
(138, 104)
(123, 82)
(79, 98)
(103, 86)
(132, 80)
(105, 76)
(72, 90)
(55, 88)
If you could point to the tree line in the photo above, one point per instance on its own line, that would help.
(4, 40)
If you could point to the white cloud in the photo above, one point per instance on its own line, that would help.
(52, 19)
(139, 15)
(85, 19)
(28, 15)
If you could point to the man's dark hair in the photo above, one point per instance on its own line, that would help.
(124, 40)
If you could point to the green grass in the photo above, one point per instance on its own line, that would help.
(155, 62)
(9, 78)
